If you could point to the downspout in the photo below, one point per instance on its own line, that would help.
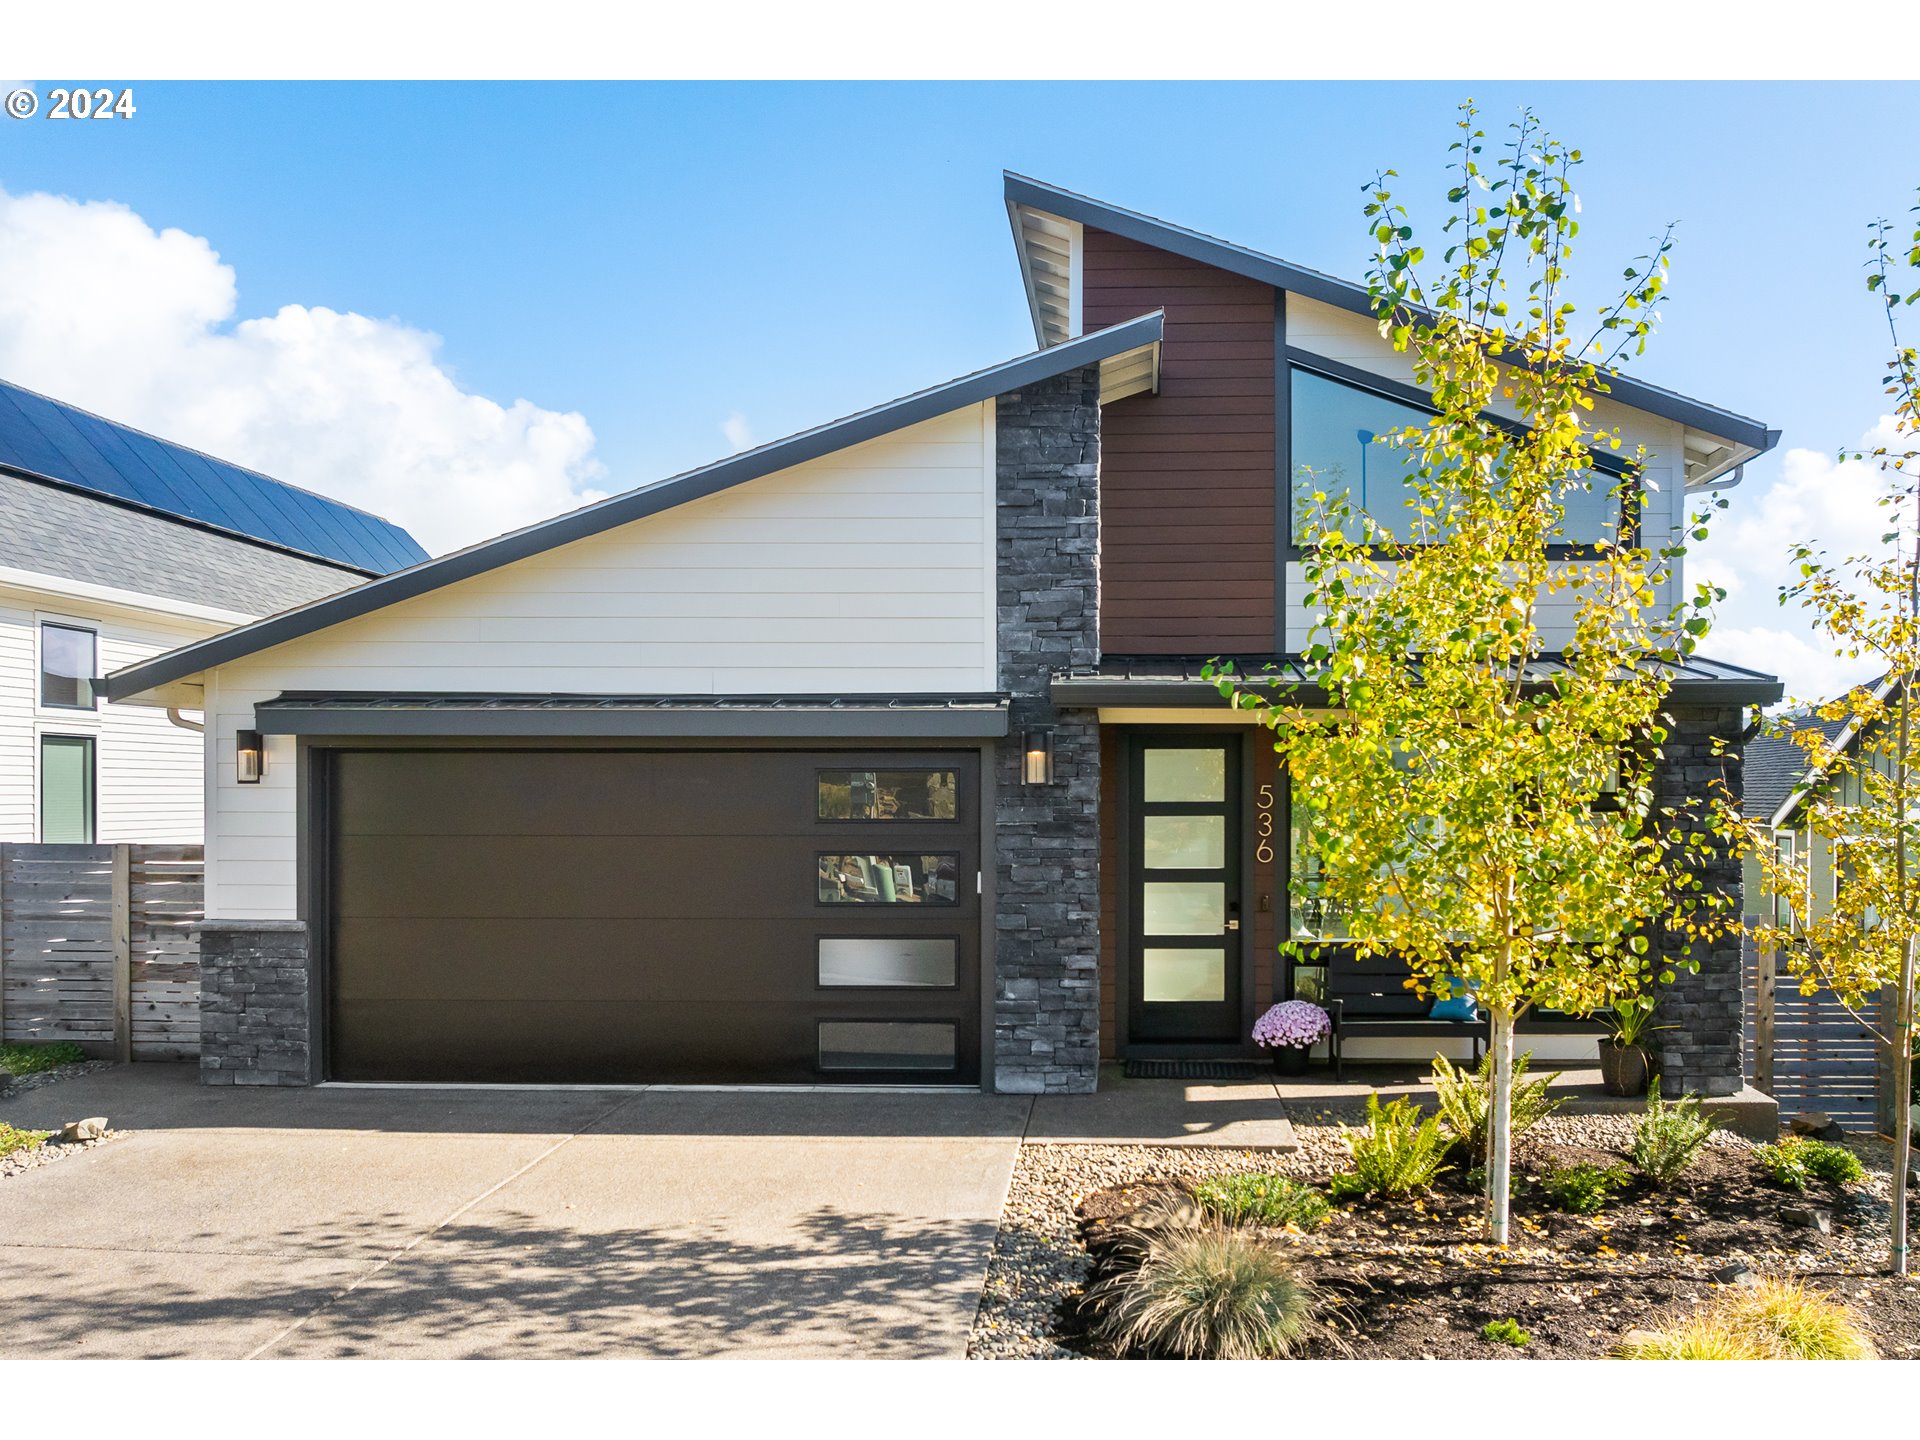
(175, 717)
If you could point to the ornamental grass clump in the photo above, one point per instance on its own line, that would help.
(1465, 1100)
(1398, 1154)
(1215, 1293)
(1666, 1138)
(1292, 1024)
(1264, 1199)
(1795, 1159)
(1774, 1320)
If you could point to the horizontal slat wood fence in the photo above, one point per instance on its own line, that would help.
(97, 946)
(1808, 1051)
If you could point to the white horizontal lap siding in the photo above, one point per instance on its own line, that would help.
(147, 770)
(1352, 339)
(866, 572)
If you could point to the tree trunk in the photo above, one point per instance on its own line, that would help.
(1902, 1107)
(1500, 1128)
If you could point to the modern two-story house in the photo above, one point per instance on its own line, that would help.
(116, 546)
(875, 754)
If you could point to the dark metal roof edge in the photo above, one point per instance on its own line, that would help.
(985, 720)
(637, 504)
(1345, 294)
(174, 517)
(1093, 691)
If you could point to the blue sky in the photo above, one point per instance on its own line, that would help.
(662, 258)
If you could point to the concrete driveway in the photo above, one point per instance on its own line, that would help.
(430, 1223)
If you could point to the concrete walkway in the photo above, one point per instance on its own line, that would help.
(420, 1223)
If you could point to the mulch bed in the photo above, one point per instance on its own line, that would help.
(1418, 1279)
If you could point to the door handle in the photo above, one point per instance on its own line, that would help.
(1233, 924)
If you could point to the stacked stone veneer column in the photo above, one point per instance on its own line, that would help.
(1047, 862)
(1702, 1050)
(255, 1012)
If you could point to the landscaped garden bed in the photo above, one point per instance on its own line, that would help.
(31, 1067)
(1414, 1276)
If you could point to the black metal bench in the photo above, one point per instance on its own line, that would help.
(1368, 999)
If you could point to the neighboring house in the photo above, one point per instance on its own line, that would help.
(879, 753)
(115, 547)
(1811, 1052)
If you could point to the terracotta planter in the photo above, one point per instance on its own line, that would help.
(1290, 1059)
(1623, 1068)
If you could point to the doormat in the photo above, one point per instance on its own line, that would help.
(1196, 1070)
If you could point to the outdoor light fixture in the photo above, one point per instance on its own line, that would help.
(249, 757)
(1038, 769)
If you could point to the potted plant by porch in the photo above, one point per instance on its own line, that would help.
(1624, 1062)
(1291, 1029)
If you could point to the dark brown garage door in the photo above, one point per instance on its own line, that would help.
(628, 916)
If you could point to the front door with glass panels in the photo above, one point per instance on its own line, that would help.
(1183, 889)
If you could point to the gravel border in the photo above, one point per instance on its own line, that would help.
(1038, 1260)
(49, 1152)
(23, 1083)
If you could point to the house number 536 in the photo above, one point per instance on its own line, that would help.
(1263, 826)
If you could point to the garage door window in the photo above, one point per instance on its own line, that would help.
(878, 962)
(889, 879)
(887, 1045)
(889, 795)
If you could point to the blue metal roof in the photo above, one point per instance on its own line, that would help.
(53, 441)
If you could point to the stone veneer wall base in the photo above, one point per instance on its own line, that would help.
(255, 1003)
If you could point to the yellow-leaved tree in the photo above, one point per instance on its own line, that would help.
(1480, 706)
(1862, 803)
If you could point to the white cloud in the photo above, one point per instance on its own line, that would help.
(1816, 498)
(738, 432)
(98, 308)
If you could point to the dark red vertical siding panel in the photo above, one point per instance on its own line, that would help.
(1187, 475)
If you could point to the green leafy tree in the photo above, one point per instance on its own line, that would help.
(1479, 778)
(1857, 941)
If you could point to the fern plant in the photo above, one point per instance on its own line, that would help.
(1666, 1138)
(1466, 1100)
(1399, 1153)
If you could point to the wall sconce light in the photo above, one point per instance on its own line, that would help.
(1038, 768)
(249, 757)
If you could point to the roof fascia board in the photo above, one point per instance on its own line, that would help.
(59, 587)
(1096, 691)
(850, 721)
(1343, 294)
(638, 504)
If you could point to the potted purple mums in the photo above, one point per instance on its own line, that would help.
(1290, 1029)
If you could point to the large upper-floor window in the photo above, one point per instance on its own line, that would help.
(1338, 434)
(67, 655)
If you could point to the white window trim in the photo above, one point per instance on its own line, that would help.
(56, 715)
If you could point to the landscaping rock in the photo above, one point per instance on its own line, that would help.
(1807, 1217)
(1637, 1337)
(1818, 1124)
(1738, 1273)
(76, 1132)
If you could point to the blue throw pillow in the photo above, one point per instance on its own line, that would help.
(1460, 1006)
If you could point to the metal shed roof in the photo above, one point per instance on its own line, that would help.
(49, 440)
(1116, 350)
(1035, 209)
(537, 716)
(1176, 681)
